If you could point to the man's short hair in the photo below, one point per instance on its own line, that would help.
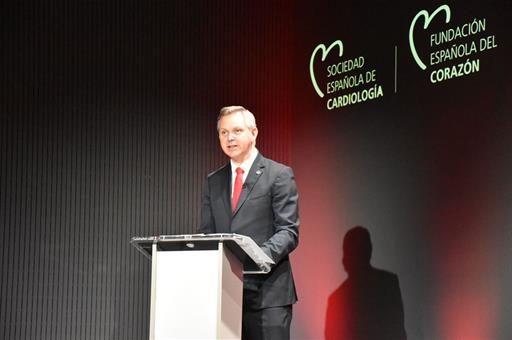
(249, 119)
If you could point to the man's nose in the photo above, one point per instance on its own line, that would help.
(231, 136)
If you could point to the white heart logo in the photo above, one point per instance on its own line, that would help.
(325, 52)
(428, 19)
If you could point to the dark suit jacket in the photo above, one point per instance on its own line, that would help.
(267, 212)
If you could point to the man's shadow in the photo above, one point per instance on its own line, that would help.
(368, 304)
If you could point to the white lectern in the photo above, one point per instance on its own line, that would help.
(197, 283)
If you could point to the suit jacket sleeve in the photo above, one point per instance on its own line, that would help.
(285, 206)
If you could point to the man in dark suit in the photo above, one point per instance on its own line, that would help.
(256, 197)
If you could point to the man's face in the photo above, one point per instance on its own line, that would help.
(236, 139)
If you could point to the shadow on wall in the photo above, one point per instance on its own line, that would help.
(368, 304)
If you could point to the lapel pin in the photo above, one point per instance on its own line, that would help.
(258, 172)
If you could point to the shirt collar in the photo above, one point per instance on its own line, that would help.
(247, 164)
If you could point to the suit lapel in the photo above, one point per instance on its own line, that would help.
(225, 186)
(255, 172)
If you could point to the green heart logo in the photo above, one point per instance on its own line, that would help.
(428, 19)
(325, 52)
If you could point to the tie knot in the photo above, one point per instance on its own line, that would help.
(239, 171)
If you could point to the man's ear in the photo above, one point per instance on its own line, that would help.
(254, 133)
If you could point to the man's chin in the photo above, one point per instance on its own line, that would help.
(232, 155)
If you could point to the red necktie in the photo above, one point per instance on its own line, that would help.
(239, 181)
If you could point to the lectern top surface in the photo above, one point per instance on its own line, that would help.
(256, 261)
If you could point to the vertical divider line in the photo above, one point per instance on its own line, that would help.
(396, 68)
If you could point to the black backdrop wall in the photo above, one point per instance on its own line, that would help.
(107, 130)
